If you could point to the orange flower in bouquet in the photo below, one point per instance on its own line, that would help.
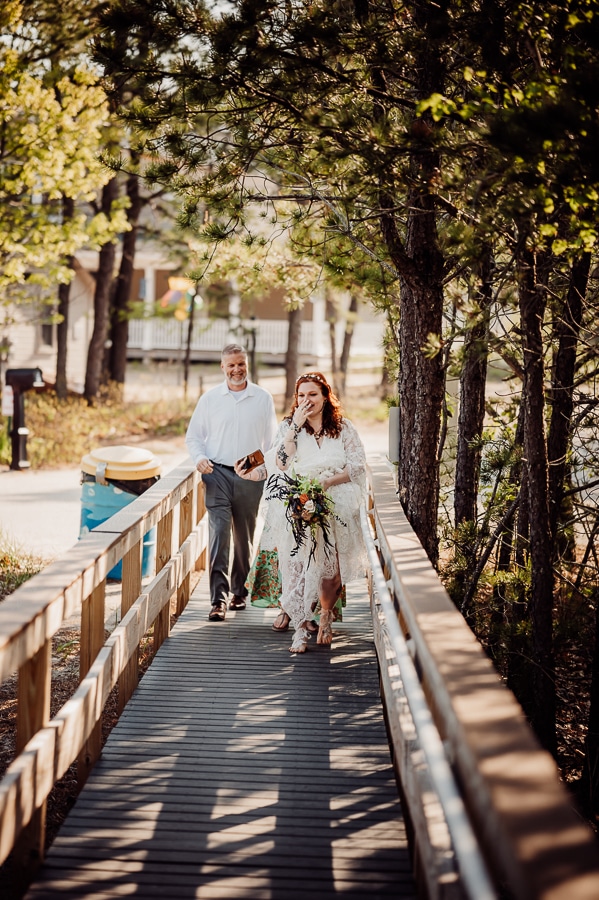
(308, 509)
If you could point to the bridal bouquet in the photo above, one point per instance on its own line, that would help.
(308, 509)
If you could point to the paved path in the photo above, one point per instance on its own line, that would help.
(40, 511)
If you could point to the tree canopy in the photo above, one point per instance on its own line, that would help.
(52, 129)
(439, 159)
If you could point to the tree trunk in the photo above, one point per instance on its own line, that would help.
(294, 317)
(562, 393)
(62, 335)
(104, 276)
(472, 405)
(119, 314)
(187, 360)
(347, 339)
(331, 317)
(588, 788)
(62, 328)
(517, 669)
(419, 262)
(421, 378)
(532, 304)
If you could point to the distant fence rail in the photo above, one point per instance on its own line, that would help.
(161, 337)
(169, 336)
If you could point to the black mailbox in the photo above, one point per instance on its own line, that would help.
(21, 380)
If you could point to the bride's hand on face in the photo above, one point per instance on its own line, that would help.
(304, 408)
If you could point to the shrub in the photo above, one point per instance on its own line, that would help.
(61, 432)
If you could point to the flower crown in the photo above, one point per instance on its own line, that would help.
(309, 376)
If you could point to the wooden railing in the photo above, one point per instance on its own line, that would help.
(505, 826)
(77, 583)
(523, 837)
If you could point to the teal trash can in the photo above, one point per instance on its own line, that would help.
(112, 478)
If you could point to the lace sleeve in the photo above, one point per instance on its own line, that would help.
(270, 455)
(283, 427)
(283, 460)
(354, 454)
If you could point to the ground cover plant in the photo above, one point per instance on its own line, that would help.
(61, 432)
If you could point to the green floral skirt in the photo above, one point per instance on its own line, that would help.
(264, 581)
(264, 584)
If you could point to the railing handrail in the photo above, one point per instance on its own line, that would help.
(470, 861)
(533, 841)
(31, 616)
(37, 609)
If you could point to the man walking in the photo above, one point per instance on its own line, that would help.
(229, 422)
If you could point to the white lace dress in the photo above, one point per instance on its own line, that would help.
(301, 581)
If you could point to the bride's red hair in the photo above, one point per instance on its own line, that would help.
(332, 414)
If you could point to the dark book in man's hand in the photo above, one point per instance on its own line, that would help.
(252, 461)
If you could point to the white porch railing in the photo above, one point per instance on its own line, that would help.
(210, 335)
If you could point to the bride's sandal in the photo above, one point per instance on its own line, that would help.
(281, 623)
(325, 632)
(300, 641)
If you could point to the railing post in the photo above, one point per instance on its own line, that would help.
(27, 646)
(92, 641)
(202, 560)
(33, 713)
(164, 550)
(130, 592)
(185, 526)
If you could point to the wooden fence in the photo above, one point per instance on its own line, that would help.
(523, 834)
(31, 616)
(531, 841)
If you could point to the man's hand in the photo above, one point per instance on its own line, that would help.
(239, 470)
(204, 466)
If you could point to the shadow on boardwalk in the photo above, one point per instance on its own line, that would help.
(239, 771)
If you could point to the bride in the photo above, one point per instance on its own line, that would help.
(316, 441)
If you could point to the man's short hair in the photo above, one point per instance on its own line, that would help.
(233, 348)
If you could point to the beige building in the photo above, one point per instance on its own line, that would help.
(220, 316)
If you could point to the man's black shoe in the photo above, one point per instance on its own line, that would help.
(218, 612)
(237, 602)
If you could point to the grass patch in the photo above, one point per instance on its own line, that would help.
(16, 566)
(373, 412)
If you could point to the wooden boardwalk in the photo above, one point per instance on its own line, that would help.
(239, 771)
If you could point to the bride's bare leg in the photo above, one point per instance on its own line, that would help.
(329, 592)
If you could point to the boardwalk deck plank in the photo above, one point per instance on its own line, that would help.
(238, 771)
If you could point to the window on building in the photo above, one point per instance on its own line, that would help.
(47, 334)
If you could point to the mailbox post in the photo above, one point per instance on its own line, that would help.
(21, 380)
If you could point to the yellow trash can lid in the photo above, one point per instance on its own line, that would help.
(121, 463)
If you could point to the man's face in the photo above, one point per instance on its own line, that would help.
(234, 365)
